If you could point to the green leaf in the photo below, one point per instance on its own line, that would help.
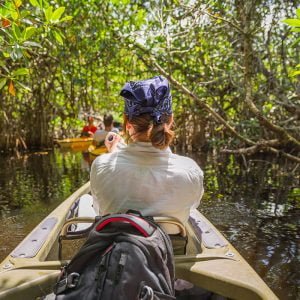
(4, 66)
(14, 14)
(295, 43)
(294, 73)
(292, 22)
(66, 18)
(28, 32)
(298, 13)
(16, 32)
(296, 29)
(48, 13)
(34, 3)
(23, 86)
(57, 14)
(16, 53)
(21, 71)
(18, 3)
(2, 82)
(140, 17)
(24, 14)
(58, 37)
(32, 44)
(5, 54)
(2, 12)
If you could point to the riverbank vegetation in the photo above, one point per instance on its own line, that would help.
(232, 66)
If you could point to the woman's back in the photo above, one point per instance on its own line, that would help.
(141, 177)
(145, 175)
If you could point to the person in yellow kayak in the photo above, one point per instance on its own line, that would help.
(89, 129)
(100, 134)
(145, 175)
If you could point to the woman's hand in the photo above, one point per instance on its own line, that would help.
(112, 140)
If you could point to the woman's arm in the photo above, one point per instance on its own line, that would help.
(114, 142)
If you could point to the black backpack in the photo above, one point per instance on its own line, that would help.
(125, 257)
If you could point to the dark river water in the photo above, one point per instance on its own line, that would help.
(254, 203)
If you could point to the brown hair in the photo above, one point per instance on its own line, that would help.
(160, 135)
(108, 120)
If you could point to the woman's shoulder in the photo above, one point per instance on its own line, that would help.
(105, 158)
(104, 163)
(186, 163)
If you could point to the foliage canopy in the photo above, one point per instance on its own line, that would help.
(232, 66)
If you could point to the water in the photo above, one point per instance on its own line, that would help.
(31, 187)
(255, 204)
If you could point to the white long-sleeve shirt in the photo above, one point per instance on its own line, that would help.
(141, 177)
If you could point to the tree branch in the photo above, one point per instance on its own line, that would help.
(190, 94)
(256, 148)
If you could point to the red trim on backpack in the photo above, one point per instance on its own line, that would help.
(123, 220)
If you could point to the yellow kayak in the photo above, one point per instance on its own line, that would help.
(96, 151)
(75, 143)
(210, 261)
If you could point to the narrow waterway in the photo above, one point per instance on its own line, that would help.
(254, 203)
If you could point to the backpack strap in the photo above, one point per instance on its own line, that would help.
(145, 228)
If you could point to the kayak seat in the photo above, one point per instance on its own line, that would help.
(83, 207)
(82, 216)
(171, 226)
(79, 227)
(176, 231)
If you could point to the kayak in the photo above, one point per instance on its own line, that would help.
(75, 143)
(210, 262)
(96, 151)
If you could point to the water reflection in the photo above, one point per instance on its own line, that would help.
(86, 161)
(31, 187)
(255, 204)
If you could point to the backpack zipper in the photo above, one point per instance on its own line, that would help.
(103, 268)
(120, 267)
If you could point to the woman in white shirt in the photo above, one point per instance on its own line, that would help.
(146, 175)
(100, 134)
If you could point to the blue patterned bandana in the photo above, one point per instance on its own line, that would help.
(148, 96)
